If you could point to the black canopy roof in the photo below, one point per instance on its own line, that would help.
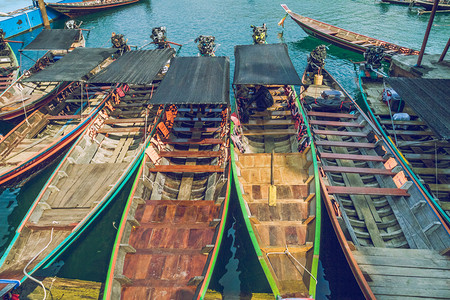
(54, 39)
(136, 67)
(429, 98)
(74, 66)
(264, 64)
(195, 80)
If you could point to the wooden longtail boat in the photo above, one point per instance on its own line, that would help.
(173, 223)
(424, 149)
(401, 2)
(76, 9)
(395, 243)
(90, 175)
(428, 5)
(345, 38)
(21, 97)
(276, 179)
(9, 66)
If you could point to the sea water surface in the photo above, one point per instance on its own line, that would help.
(238, 272)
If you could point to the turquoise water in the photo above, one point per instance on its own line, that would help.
(229, 21)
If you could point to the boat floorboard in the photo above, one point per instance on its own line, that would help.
(405, 273)
(71, 189)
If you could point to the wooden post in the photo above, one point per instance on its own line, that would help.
(445, 51)
(427, 32)
(44, 14)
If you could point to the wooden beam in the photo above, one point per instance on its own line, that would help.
(345, 144)
(372, 171)
(352, 157)
(366, 191)
(186, 168)
(335, 123)
(269, 131)
(190, 153)
(206, 141)
(341, 133)
(331, 115)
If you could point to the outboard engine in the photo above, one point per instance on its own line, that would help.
(118, 41)
(373, 56)
(259, 34)
(72, 24)
(316, 59)
(206, 45)
(159, 37)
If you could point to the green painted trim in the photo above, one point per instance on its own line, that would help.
(318, 199)
(263, 263)
(399, 155)
(123, 220)
(223, 222)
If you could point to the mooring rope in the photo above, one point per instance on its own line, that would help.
(31, 277)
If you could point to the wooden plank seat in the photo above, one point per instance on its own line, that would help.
(187, 129)
(340, 133)
(431, 171)
(410, 132)
(412, 122)
(123, 104)
(268, 113)
(269, 132)
(121, 129)
(207, 110)
(345, 144)
(372, 171)
(359, 42)
(206, 141)
(335, 123)
(352, 157)
(420, 156)
(125, 121)
(190, 153)
(331, 115)
(279, 97)
(184, 119)
(187, 168)
(119, 113)
(440, 187)
(269, 122)
(66, 117)
(344, 190)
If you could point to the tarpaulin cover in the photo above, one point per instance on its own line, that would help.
(195, 80)
(135, 67)
(54, 39)
(429, 98)
(264, 64)
(74, 66)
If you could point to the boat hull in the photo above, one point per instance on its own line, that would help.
(73, 11)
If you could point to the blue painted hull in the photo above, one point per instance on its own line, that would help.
(28, 20)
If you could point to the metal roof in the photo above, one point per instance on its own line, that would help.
(134, 67)
(74, 66)
(429, 98)
(195, 80)
(54, 39)
(264, 64)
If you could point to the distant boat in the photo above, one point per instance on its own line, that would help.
(401, 2)
(76, 9)
(345, 38)
(394, 242)
(428, 5)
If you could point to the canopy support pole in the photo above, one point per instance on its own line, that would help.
(427, 32)
(445, 51)
(44, 14)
